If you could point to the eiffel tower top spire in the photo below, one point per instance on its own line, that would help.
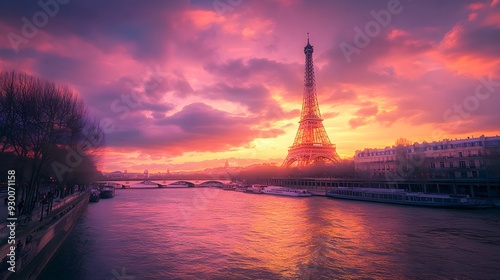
(310, 107)
(308, 47)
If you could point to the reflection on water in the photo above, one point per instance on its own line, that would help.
(214, 234)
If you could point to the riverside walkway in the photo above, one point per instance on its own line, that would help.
(24, 221)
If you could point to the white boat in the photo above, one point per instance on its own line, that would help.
(277, 190)
(179, 184)
(241, 188)
(229, 187)
(255, 189)
(399, 196)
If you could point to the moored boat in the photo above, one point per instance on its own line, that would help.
(255, 189)
(107, 191)
(94, 195)
(229, 187)
(212, 184)
(241, 188)
(399, 196)
(277, 190)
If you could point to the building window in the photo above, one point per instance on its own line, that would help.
(463, 174)
(433, 165)
(441, 164)
(474, 174)
(472, 164)
(460, 154)
(461, 164)
(451, 164)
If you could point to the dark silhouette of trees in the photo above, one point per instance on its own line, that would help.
(344, 169)
(403, 167)
(492, 161)
(410, 162)
(45, 133)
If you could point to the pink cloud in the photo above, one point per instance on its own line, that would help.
(229, 79)
(367, 111)
(357, 122)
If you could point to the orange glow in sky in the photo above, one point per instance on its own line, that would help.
(188, 85)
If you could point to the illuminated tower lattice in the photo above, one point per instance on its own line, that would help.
(311, 142)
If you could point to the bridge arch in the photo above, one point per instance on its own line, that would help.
(212, 183)
(190, 184)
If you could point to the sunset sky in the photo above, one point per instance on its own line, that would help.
(189, 84)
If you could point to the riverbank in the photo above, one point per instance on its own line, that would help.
(38, 238)
(208, 233)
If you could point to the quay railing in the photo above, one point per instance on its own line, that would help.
(26, 221)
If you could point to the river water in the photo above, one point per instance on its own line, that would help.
(208, 233)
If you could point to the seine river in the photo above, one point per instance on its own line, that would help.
(208, 233)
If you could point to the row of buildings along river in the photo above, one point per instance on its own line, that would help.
(460, 158)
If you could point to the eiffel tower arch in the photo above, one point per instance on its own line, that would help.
(311, 143)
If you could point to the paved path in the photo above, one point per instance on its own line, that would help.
(36, 214)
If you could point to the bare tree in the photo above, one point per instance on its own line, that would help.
(40, 123)
(410, 162)
(7, 110)
(492, 161)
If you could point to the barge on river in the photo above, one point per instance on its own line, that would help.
(400, 196)
(278, 190)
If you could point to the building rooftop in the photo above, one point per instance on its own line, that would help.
(482, 138)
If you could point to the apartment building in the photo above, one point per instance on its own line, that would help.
(460, 158)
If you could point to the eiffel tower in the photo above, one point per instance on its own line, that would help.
(311, 143)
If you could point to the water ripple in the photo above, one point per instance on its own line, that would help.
(214, 234)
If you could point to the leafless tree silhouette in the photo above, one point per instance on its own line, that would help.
(42, 123)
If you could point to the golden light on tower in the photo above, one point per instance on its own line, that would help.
(311, 143)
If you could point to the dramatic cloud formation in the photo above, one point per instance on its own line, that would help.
(187, 84)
